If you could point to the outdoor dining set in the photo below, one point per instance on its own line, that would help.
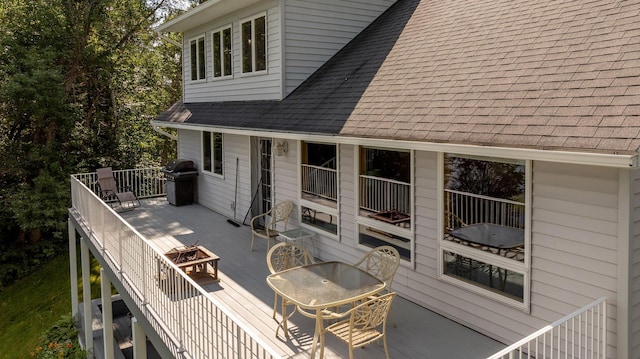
(350, 301)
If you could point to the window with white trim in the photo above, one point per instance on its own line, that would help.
(212, 153)
(319, 186)
(221, 45)
(485, 221)
(197, 57)
(253, 37)
(385, 205)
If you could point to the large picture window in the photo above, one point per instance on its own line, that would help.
(385, 213)
(253, 35)
(212, 153)
(222, 59)
(197, 56)
(485, 201)
(319, 186)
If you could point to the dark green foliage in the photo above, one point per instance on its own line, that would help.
(60, 341)
(79, 82)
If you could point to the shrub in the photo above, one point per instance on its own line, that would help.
(60, 341)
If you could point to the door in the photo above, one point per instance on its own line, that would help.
(262, 176)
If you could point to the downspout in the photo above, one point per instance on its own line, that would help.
(163, 132)
(168, 39)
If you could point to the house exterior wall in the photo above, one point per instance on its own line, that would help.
(315, 30)
(218, 192)
(574, 238)
(241, 87)
(634, 269)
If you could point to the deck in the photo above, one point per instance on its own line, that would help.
(419, 333)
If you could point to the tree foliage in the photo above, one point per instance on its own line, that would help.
(79, 82)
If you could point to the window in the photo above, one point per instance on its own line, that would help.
(385, 213)
(197, 58)
(253, 35)
(319, 186)
(483, 246)
(212, 152)
(221, 45)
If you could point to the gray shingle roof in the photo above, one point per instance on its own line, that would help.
(518, 73)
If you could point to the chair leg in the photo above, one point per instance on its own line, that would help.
(252, 238)
(386, 349)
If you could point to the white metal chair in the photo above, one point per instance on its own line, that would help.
(285, 255)
(366, 324)
(277, 214)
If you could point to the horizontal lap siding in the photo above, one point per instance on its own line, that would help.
(634, 307)
(285, 182)
(240, 87)
(316, 30)
(574, 239)
(214, 192)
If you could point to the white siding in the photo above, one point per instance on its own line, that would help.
(215, 192)
(316, 29)
(634, 270)
(285, 171)
(241, 87)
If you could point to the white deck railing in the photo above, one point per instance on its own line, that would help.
(191, 322)
(581, 334)
(144, 182)
(379, 194)
(464, 208)
(320, 181)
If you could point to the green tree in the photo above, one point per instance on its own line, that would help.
(79, 81)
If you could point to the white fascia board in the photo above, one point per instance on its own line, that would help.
(562, 156)
(203, 13)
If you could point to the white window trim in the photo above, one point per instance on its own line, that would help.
(389, 228)
(523, 268)
(196, 38)
(222, 63)
(317, 206)
(253, 48)
(211, 172)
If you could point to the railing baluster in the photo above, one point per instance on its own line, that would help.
(171, 302)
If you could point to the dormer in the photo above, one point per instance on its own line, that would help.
(244, 50)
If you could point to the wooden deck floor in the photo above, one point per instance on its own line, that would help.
(420, 333)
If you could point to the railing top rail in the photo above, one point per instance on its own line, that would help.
(385, 179)
(485, 197)
(179, 271)
(320, 168)
(546, 329)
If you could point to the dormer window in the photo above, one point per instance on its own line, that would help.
(253, 34)
(197, 58)
(221, 44)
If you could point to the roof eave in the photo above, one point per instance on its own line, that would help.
(202, 14)
(617, 160)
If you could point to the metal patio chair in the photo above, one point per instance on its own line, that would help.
(366, 324)
(277, 214)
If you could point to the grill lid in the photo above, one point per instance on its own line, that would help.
(180, 165)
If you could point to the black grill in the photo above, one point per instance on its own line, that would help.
(180, 183)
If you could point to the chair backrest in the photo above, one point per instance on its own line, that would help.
(371, 314)
(381, 262)
(280, 213)
(106, 181)
(285, 255)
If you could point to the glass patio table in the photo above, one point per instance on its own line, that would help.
(324, 285)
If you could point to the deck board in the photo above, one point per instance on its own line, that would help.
(242, 288)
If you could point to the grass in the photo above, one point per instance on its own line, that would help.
(34, 303)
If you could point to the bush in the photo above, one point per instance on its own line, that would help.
(60, 341)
